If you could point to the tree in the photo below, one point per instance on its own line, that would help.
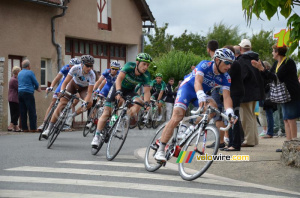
(262, 44)
(225, 35)
(270, 7)
(177, 64)
(190, 42)
(160, 42)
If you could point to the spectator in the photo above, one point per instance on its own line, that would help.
(268, 106)
(212, 46)
(13, 100)
(237, 93)
(286, 71)
(170, 97)
(253, 83)
(176, 88)
(237, 51)
(27, 85)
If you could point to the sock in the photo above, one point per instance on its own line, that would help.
(97, 132)
(51, 124)
(162, 146)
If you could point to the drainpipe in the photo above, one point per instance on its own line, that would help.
(57, 45)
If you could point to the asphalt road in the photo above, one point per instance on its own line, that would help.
(29, 169)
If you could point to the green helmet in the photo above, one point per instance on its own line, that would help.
(158, 75)
(144, 57)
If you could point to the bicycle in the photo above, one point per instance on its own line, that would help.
(149, 118)
(48, 118)
(194, 142)
(119, 130)
(55, 131)
(93, 116)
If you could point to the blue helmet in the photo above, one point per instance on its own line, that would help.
(115, 64)
(74, 61)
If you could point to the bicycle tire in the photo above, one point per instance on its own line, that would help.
(46, 123)
(141, 123)
(150, 163)
(155, 123)
(111, 153)
(86, 130)
(57, 128)
(194, 168)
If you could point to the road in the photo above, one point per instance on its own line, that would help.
(29, 169)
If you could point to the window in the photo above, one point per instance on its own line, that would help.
(68, 46)
(104, 14)
(43, 72)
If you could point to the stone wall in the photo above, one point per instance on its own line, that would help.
(2, 59)
(291, 153)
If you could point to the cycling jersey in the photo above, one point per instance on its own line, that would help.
(186, 92)
(158, 87)
(63, 71)
(131, 80)
(82, 80)
(109, 78)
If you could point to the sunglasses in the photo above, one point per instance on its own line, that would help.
(89, 65)
(114, 69)
(227, 62)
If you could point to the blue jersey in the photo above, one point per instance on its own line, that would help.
(109, 78)
(63, 71)
(210, 79)
(186, 92)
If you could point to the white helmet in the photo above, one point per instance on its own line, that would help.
(224, 54)
(115, 64)
(74, 61)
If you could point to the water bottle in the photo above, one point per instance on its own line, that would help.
(181, 132)
(189, 130)
(113, 120)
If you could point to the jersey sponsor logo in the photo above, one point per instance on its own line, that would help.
(218, 78)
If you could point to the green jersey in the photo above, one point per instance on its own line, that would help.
(158, 87)
(131, 80)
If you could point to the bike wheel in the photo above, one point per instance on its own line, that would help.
(55, 131)
(192, 163)
(150, 163)
(46, 123)
(94, 150)
(117, 138)
(141, 122)
(155, 123)
(148, 123)
(91, 118)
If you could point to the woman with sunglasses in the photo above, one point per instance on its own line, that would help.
(80, 79)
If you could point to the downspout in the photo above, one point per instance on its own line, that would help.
(57, 45)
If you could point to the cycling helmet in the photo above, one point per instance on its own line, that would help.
(87, 60)
(158, 75)
(224, 54)
(144, 57)
(74, 61)
(115, 64)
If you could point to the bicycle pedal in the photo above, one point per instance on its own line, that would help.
(154, 147)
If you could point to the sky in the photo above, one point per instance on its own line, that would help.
(197, 16)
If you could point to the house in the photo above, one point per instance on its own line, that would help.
(51, 32)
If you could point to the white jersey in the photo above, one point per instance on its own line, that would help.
(83, 80)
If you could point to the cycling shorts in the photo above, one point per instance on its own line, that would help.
(104, 91)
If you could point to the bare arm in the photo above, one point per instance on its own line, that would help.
(89, 93)
(65, 83)
(102, 84)
(227, 99)
(147, 94)
(99, 81)
(160, 95)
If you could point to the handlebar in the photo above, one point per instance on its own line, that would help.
(73, 95)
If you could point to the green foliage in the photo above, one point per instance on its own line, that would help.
(270, 7)
(262, 44)
(225, 35)
(190, 42)
(177, 64)
(160, 42)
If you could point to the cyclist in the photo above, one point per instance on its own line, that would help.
(109, 77)
(81, 79)
(106, 81)
(60, 76)
(206, 75)
(131, 74)
(158, 87)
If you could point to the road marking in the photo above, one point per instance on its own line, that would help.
(133, 186)
(130, 157)
(47, 194)
(103, 163)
